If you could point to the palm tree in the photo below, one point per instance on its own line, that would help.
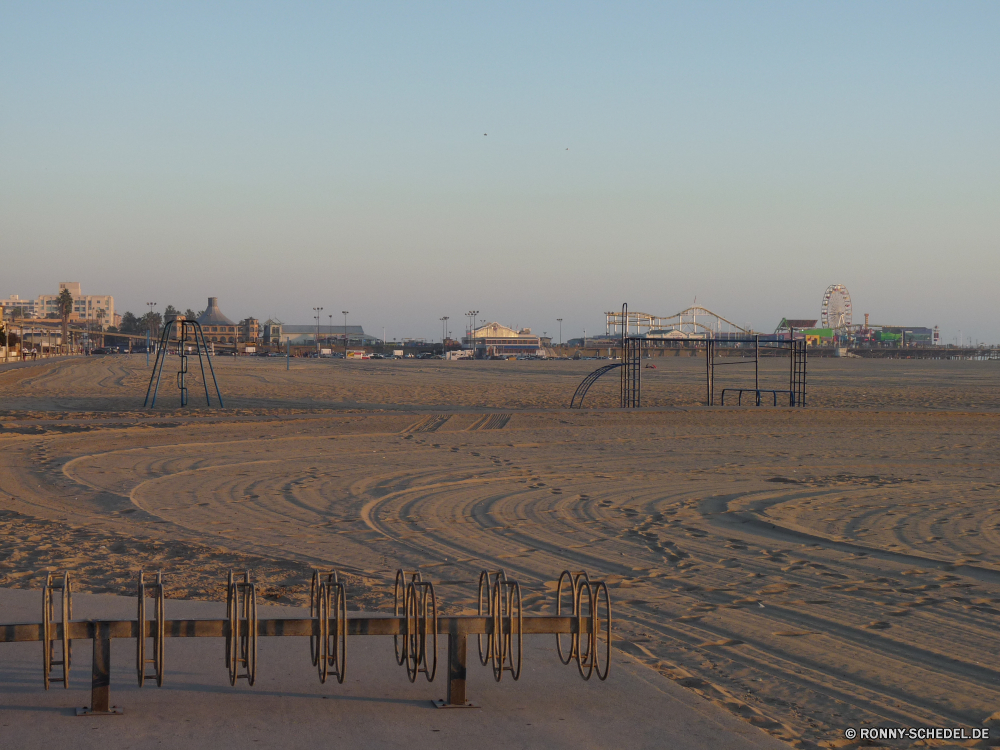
(101, 315)
(64, 303)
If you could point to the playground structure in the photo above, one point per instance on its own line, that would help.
(797, 355)
(182, 327)
(583, 613)
(715, 344)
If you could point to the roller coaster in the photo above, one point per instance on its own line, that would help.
(692, 322)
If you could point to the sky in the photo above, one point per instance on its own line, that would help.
(533, 161)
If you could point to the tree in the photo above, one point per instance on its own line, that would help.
(190, 314)
(101, 314)
(64, 303)
(170, 311)
(150, 322)
(130, 323)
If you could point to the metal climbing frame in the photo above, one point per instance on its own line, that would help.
(198, 338)
(576, 402)
(631, 371)
(796, 390)
(583, 613)
(798, 375)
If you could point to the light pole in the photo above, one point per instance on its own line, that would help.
(317, 310)
(472, 314)
(149, 327)
(560, 330)
(330, 332)
(344, 313)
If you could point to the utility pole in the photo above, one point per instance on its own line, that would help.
(560, 330)
(317, 310)
(344, 313)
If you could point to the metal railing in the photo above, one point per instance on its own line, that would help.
(583, 613)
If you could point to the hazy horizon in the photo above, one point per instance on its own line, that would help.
(530, 162)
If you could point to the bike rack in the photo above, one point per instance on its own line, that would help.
(415, 627)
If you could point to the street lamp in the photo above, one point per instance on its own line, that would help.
(330, 332)
(317, 310)
(472, 314)
(560, 330)
(344, 313)
(149, 328)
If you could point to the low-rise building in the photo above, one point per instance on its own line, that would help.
(497, 340)
(249, 331)
(271, 332)
(216, 326)
(300, 335)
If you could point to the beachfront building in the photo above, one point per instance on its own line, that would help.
(216, 326)
(249, 331)
(305, 335)
(271, 332)
(497, 340)
(97, 308)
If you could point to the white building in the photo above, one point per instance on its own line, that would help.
(85, 306)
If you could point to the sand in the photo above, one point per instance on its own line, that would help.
(807, 569)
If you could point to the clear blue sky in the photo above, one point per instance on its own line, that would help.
(286, 155)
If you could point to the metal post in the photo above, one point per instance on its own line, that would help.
(457, 661)
(147, 348)
(201, 360)
(710, 372)
(211, 369)
(181, 376)
(100, 685)
(457, 648)
(791, 369)
(156, 372)
(756, 368)
(288, 354)
(805, 360)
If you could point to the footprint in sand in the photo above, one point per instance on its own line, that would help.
(723, 642)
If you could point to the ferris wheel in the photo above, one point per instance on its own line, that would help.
(836, 307)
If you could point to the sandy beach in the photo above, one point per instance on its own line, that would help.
(807, 569)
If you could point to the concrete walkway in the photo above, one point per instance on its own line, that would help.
(376, 707)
